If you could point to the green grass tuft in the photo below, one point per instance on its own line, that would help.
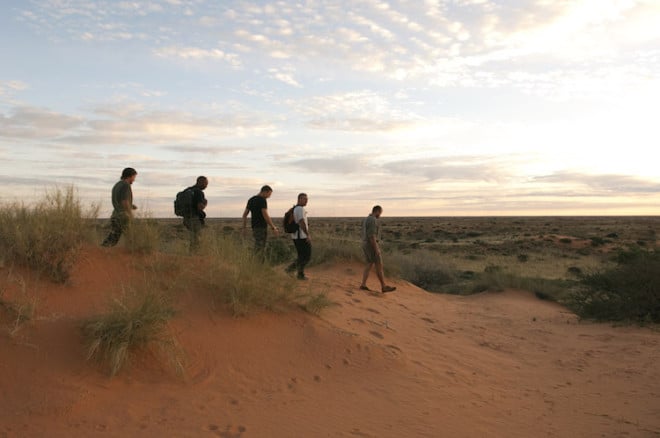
(135, 321)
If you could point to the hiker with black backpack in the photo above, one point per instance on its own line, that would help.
(190, 204)
(295, 223)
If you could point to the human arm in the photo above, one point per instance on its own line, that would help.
(245, 215)
(269, 221)
(374, 244)
(127, 207)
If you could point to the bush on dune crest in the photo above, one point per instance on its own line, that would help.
(630, 291)
(46, 237)
(242, 280)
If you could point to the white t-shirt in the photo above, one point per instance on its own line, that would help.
(299, 215)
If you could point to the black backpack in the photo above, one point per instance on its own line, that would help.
(289, 224)
(183, 203)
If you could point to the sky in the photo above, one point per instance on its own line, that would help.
(426, 107)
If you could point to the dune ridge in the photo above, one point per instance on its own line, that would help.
(406, 364)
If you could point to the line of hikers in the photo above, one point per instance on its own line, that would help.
(190, 204)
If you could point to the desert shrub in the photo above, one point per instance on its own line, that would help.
(328, 248)
(48, 235)
(315, 303)
(20, 308)
(423, 268)
(136, 321)
(544, 288)
(280, 251)
(243, 281)
(628, 291)
(574, 270)
(566, 240)
(143, 235)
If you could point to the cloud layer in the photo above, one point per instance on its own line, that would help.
(436, 107)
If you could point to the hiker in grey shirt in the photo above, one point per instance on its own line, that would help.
(122, 204)
(371, 249)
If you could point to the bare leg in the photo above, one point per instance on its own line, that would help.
(365, 276)
(381, 275)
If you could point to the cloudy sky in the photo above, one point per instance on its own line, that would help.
(428, 107)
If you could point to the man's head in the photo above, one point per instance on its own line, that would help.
(266, 191)
(129, 175)
(202, 182)
(302, 199)
(377, 210)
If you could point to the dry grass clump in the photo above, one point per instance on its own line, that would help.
(237, 277)
(47, 236)
(136, 321)
(316, 303)
(143, 235)
(20, 308)
(497, 279)
(328, 248)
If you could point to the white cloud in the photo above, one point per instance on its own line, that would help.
(198, 54)
(354, 111)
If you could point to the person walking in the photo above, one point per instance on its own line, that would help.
(194, 220)
(371, 249)
(257, 207)
(122, 204)
(301, 238)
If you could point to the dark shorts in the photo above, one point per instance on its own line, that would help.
(369, 254)
(260, 237)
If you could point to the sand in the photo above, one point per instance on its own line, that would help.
(406, 364)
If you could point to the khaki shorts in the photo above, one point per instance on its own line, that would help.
(369, 254)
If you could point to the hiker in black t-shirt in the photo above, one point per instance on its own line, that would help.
(194, 221)
(257, 206)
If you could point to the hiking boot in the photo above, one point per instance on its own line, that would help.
(388, 289)
(301, 277)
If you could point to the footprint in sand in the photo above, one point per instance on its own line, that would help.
(438, 330)
(358, 432)
(429, 320)
(376, 334)
(361, 321)
(369, 309)
(231, 431)
(356, 300)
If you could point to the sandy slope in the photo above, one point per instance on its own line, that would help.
(408, 364)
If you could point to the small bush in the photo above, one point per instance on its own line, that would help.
(280, 251)
(47, 236)
(134, 322)
(547, 289)
(20, 308)
(143, 235)
(566, 240)
(328, 248)
(423, 268)
(243, 281)
(629, 291)
(315, 303)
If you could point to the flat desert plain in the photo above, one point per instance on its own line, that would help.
(407, 364)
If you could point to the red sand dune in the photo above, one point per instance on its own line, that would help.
(407, 364)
